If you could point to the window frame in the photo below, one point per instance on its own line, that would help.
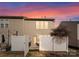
(42, 25)
(2, 25)
(6, 25)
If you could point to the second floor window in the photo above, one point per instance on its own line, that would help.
(41, 24)
(2, 25)
(6, 25)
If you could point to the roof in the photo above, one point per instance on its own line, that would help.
(39, 19)
(70, 21)
(25, 18)
(11, 17)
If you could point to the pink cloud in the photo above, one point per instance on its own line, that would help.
(38, 11)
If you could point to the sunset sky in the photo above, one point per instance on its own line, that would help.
(58, 10)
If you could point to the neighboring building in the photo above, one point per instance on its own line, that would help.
(73, 27)
(10, 25)
(18, 25)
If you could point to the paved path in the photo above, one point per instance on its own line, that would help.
(36, 53)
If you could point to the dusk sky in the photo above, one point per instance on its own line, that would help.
(60, 10)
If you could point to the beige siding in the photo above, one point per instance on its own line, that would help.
(24, 28)
(14, 25)
(30, 28)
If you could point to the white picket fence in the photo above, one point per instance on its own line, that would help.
(20, 43)
(47, 43)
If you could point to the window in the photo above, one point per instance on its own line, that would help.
(2, 25)
(6, 19)
(1, 19)
(41, 25)
(46, 25)
(6, 25)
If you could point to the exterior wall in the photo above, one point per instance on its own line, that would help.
(14, 25)
(30, 29)
(72, 27)
(78, 34)
(3, 31)
(27, 28)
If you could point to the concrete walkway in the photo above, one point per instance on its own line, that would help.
(36, 53)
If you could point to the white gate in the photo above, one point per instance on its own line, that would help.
(19, 43)
(45, 43)
(61, 44)
(48, 43)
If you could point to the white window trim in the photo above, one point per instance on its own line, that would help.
(4, 21)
